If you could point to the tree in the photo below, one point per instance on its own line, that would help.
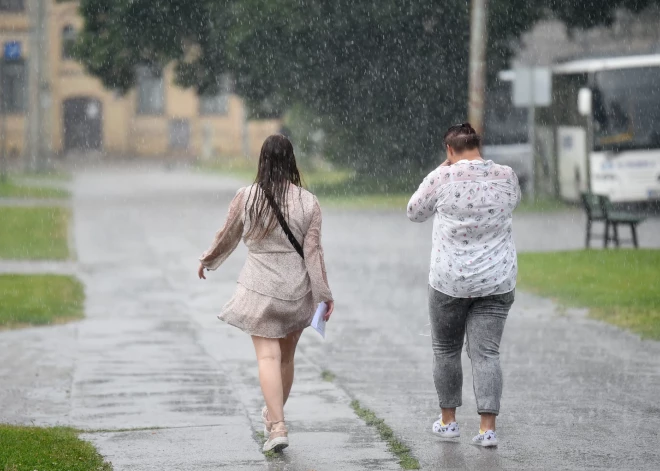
(385, 77)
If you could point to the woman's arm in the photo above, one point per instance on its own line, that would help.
(422, 204)
(314, 259)
(226, 239)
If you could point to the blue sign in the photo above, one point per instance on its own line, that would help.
(12, 50)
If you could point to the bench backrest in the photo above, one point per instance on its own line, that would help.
(606, 206)
(593, 205)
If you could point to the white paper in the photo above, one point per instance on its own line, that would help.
(318, 323)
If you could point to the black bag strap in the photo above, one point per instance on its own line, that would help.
(282, 221)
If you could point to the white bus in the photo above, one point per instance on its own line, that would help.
(617, 132)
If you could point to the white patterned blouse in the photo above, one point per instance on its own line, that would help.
(473, 250)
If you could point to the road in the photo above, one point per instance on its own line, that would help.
(160, 383)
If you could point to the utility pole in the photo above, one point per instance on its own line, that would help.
(3, 129)
(32, 121)
(477, 85)
(37, 141)
(45, 102)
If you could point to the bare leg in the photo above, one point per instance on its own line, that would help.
(288, 349)
(488, 422)
(448, 415)
(269, 358)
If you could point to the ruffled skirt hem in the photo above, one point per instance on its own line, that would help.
(264, 316)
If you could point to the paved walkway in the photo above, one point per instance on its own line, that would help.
(30, 267)
(578, 393)
(33, 202)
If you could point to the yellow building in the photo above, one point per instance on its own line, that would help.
(157, 118)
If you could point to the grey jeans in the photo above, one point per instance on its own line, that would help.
(483, 320)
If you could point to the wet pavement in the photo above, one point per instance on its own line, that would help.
(33, 202)
(160, 383)
(37, 267)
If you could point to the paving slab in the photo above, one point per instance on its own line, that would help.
(197, 448)
(36, 370)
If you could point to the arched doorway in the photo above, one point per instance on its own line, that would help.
(83, 124)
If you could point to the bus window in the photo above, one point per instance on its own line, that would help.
(626, 109)
(504, 124)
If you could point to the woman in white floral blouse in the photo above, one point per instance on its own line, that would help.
(473, 271)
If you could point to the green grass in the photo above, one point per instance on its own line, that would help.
(39, 299)
(336, 188)
(261, 439)
(46, 176)
(542, 205)
(347, 190)
(47, 449)
(328, 376)
(11, 189)
(387, 202)
(398, 448)
(364, 192)
(34, 233)
(246, 169)
(240, 168)
(621, 287)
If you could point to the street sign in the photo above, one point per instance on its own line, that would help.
(12, 50)
(532, 87)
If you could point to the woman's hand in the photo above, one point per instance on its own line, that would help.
(331, 308)
(200, 272)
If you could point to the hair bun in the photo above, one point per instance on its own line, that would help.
(469, 127)
(462, 137)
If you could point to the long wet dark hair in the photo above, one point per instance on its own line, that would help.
(277, 170)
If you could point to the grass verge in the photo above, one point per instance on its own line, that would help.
(328, 376)
(11, 189)
(34, 233)
(336, 188)
(542, 205)
(621, 287)
(39, 299)
(347, 190)
(47, 449)
(398, 448)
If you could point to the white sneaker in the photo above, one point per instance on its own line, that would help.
(487, 438)
(450, 430)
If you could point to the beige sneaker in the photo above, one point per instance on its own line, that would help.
(278, 439)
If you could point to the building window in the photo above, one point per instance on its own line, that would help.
(14, 86)
(214, 105)
(68, 41)
(179, 134)
(217, 104)
(150, 91)
(12, 5)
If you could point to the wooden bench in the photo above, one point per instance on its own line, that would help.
(599, 208)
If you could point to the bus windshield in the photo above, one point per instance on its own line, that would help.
(626, 109)
(504, 124)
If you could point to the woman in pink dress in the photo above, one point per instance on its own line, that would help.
(284, 277)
